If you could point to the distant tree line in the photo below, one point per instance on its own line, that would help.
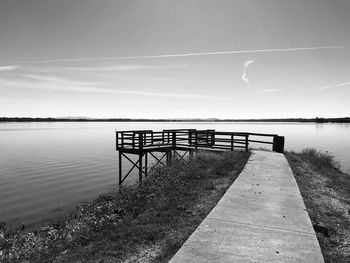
(30, 119)
(338, 120)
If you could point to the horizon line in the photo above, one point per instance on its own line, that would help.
(171, 119)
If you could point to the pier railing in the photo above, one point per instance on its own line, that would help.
(148, 140)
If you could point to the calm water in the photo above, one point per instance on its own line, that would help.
(46, 168)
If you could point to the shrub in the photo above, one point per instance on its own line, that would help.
(320, 159)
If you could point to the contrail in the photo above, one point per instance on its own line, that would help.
(245, 67)
(335, 86)
(183, 54)
(8, 68)
(233, 52)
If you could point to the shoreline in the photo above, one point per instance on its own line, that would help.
(156, 216)
(149, 233)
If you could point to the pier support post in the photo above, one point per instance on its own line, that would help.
(168, 157)
(146, 164)
(140, 168)
(191, 154)
(120, 167)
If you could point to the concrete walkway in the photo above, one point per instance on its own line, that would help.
(261, 218)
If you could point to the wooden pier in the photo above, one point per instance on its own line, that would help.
(177, 143)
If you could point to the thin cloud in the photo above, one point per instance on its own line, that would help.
(245, 67)
(111, 68)
(125, 68)
(184, 54)
(53, 83)
(235, 52)
(49, 85)
(264, 91)
(8, 68)
(53, 79)
(335, 86)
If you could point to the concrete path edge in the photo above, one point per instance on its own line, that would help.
(261, 218)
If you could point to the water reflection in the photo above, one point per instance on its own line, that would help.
(48, 167)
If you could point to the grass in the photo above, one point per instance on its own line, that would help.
(142, 223)
(326, 193)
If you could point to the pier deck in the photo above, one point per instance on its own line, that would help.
(261, 218)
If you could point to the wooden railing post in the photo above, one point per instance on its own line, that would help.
(278, 144)
(122, 139)
(116, 140)
(232, 142)
(212, 138)
(173, 140)
(246, 142)
(140, 141)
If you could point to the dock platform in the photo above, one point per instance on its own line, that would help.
(176, 143)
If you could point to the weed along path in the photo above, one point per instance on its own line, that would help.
(261, 218)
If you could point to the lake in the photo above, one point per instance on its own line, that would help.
(48, 167)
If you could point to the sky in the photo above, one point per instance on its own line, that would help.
(175, 58)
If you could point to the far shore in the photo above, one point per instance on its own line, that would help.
(86, 119)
